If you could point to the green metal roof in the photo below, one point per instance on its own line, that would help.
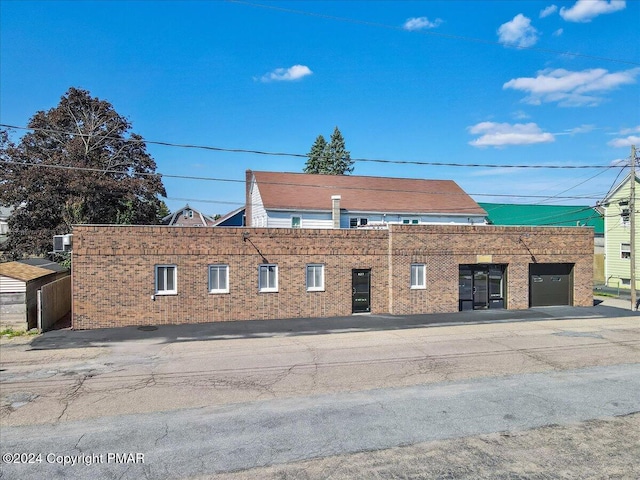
(544, 215)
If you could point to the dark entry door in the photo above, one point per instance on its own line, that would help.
(480, 289)
(361, 290)
(481, 286)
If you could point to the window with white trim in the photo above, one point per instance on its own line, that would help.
(218, 278)
(625, 250)
(296, 222)
(412, 221)
(268, 278)
(418, 276)
(315, 277)
(625, 217)
(166, 279)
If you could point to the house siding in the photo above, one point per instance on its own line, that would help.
(308, 219)
(617, 268)
(258, 213)
(113, 274)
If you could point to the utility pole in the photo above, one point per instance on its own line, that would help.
(632, 225)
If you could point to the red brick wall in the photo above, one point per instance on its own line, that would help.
(113, 269)
(113, 273)
(443, 248)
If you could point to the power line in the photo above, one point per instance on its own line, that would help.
(301, 155)
(214, 179)
(432, 33)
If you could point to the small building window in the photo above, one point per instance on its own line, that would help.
(166, 280)
(355, 222)
(624, 217)
(418, 276)
(625, 250)
(412, 221)
(218, 278)
(315, 277)
(268, 278)
(295, 222)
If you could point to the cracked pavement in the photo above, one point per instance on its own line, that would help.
(201, 407)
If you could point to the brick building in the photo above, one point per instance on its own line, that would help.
(151, 275)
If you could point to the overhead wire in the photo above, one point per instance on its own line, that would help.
(215, 179)
(303, 155)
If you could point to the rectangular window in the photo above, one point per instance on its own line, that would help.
(355, 222)
(624, 217)
(315, 278)
(268, 278)
(625, 250)
(218, 278)
(295, 222)
(418, 276)
(412, 221)
(166, 280)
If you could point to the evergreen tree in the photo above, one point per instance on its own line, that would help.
(317, 157)
(340, 162)
(329, 158)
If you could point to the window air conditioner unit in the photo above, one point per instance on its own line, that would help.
(62, 243)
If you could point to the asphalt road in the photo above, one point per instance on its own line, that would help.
(198, 401)
(192, 442)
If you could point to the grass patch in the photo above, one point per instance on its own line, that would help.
(604, 294)
(10, 332)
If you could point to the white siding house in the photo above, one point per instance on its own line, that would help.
(295, 200)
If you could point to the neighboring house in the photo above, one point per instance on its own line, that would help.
(298, 200)
(19, 285)
(5, 213)
(158, 275)
(618, 235)
(235, 218)
(554, 216)
(188, 217)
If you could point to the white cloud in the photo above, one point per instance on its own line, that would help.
(571, 89)
(576, 130)
(287, 74)
(518, 32)
(521, 115)
(585, 10)
(502, 134)
(558, 32)
(619, 162)
(420, 23)
(550, 10)
(629, 131)
(625, 142)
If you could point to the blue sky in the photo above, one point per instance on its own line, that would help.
(468, 82)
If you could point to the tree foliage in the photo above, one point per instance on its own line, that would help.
(329, 158)
(80, 164)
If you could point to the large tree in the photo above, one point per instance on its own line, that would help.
(79, 164)
(329, 158)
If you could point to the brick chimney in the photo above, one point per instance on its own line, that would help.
(335, 210)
